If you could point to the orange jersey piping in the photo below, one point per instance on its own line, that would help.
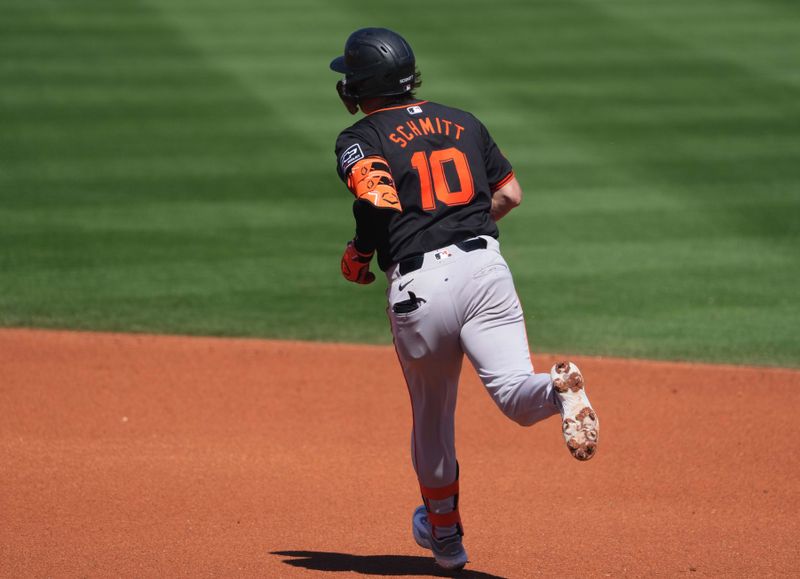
(502, 182)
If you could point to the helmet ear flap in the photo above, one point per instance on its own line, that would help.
(350, 103)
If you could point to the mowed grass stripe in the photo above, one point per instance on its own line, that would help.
(641, 155)
(680, 161)
(282, 58)
(110, 240)
(759, 35)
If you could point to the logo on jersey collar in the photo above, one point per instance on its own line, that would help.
(415, 110)
(351, 154)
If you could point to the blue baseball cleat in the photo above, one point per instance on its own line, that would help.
(448, 551)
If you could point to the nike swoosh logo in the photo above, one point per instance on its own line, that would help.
(403, 286)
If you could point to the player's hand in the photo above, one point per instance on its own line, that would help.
(355, 265)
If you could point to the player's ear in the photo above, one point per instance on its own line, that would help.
(349, 102)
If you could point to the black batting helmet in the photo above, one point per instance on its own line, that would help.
(376, 62)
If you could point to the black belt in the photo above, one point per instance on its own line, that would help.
(414, 263)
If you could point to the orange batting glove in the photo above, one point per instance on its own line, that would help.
(355, 265)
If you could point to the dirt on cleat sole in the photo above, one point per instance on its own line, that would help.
(580, 424)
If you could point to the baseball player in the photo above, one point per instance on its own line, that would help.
(430, 185)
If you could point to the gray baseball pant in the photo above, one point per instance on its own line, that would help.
(467, 305)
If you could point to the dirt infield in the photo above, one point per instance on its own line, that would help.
(142, 456)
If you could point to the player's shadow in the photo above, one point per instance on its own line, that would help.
(387, 565)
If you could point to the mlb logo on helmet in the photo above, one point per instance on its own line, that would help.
(406, 82)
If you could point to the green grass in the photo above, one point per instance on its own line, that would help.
(167, 166)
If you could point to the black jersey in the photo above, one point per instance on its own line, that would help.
(423, 175)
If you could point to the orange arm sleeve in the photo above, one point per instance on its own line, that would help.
(371, 180)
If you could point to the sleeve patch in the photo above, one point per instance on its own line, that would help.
(371, 180)
(350, 155)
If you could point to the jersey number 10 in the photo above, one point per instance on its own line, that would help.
(432, 178)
